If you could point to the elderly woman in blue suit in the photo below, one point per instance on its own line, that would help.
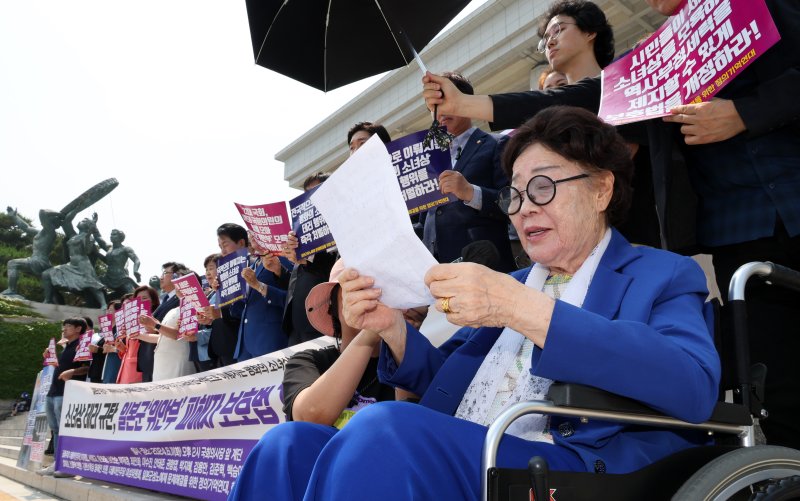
(592, 310)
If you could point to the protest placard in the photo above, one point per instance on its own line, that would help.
(188, 319)
(82, 353)
(268, 224)
(188, 436)
(105, 323)
(50, 357)
(694, 54)
(119, 320)
(229, 275)
(191, 290)
(144, 309)
(131, 323)
(309, 226)
(36, 431)
(417, 169)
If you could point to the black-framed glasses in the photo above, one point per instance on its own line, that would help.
(541, 190)
(554, 33)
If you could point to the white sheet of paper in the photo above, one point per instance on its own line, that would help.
(364, 208)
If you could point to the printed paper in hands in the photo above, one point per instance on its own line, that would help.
(365, 211)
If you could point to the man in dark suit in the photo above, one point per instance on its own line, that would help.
(170, 270)
(475, 180)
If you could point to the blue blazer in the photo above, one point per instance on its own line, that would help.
(641, 333)
(260, 329)
(458, 224)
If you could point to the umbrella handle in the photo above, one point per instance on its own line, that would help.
(418, 59)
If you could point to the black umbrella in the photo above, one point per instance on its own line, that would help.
(327, 44)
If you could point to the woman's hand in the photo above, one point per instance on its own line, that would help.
(475, 295)
(109, 348)
(204, 316)
(360, 305)
(148, 322)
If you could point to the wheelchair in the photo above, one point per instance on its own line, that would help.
(735, 467)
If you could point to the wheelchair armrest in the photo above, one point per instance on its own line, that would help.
(588, 397)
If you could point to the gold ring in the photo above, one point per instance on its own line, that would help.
(446, 305)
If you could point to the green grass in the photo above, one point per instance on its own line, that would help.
(21, 347)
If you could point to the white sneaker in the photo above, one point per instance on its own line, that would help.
(47, 471)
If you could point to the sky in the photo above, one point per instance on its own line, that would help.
(161, 95)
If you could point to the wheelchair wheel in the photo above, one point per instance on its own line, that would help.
(784, 489)
(733, 475)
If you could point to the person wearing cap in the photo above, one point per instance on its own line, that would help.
(329, 386)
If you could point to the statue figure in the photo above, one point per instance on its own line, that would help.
(155, 283)
(116, 277)
(44, 241)
(78, 274)
(43, 244)
(21, 223)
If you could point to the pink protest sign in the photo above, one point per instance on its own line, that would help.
(50, 357)
(119, 321)
(106, 322)
(191, 290)
(188, 319)
(697, 51)
(82, 353)
(144, 309)
(131, 322)
(269, 224)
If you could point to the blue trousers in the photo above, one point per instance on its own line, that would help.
(52, 409)
(388, 451)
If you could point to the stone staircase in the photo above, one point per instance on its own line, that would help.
(12, 430)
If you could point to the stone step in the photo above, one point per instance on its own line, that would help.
(10, 451)
(18, 422)
(78, 488)
(13, 430)
(11, 440)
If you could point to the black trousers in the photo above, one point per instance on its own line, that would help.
(773, 322)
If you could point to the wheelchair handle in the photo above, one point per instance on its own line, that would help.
(777, 274)
(785, 277)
